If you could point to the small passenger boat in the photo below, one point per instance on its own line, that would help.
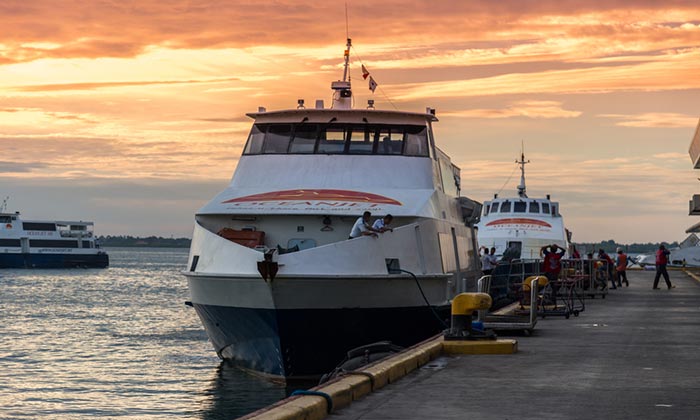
(48, 244)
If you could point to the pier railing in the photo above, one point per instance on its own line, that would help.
(590, 277)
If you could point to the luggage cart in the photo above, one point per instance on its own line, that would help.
(524, 323)
(568, 293)
(597, 272)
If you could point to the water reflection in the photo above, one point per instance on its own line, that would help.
(233, 393)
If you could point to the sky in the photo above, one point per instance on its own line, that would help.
(132, 113)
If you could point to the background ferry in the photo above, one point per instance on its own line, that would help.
(522, 222)
(305, 177)
(48, 244)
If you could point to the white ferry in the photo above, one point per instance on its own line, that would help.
(522, 223)
(305, 177)
(48, 244)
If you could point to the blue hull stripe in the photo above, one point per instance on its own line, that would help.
(309, 342)
(53, 260)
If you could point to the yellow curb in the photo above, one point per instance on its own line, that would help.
(692, 275)
(500, 346)
(346, 389)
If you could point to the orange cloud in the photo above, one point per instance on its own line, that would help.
(654, 120)
(529, 109)
(100, 85)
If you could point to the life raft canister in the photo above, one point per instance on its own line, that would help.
(9, 225)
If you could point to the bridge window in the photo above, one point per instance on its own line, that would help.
(304, 140)
(332, 140)
(545, 208)
(354, 139)
(494, 207)
(519, 207)
(534, 207)
(277, 139)
(505, 207)
(416, 142)
(361, 142)
(391, 142)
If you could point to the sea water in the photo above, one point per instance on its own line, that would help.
(115, 343)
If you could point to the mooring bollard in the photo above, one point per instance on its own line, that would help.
(463, 307)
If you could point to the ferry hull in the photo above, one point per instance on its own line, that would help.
(29, 260)
(306, 343)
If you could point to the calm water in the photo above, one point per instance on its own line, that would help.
(114, 343)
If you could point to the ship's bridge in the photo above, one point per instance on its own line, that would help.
(540, 207)
(346, 132)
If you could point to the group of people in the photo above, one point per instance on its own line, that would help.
(606, 267)
(364, 227)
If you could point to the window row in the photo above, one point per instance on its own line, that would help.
(353, 139)
(521, 207)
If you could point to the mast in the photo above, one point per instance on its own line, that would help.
(342, 91)
(522, 162)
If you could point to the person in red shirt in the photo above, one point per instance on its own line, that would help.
(661, 260)
(621, 268)
(552, 266)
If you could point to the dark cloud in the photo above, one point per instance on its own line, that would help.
(16, 167)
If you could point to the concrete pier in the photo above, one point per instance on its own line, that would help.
(635, 354)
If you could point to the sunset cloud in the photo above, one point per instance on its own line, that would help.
(137, 98)
(654, 120)
(529, 109)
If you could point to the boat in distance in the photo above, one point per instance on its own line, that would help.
(48, 244)
(521, 223)
(278, 285)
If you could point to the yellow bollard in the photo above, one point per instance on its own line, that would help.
(463, 307)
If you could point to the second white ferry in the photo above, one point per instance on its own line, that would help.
(521, 223)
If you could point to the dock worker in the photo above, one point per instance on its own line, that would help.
(609, 266)
(362, 227)
(621, 268)
(382, 225)
(552, 266)
(552, 261)
(661, 260)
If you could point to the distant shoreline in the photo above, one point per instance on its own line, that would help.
(146, 242)
(160, 242)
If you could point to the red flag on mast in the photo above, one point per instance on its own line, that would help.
(365, 73)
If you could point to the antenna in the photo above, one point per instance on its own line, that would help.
(522, 162)
(3, 206)
(347, 30)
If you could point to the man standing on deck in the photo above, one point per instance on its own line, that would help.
(661, 261)
(488, 261)
(382, 225)
(362, 227)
